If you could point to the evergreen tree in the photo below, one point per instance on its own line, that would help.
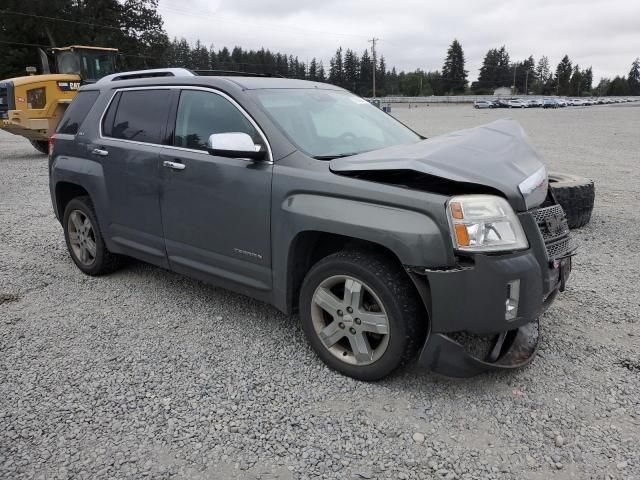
(199, 57)
(351, 70)
(453, 72)
(587, 81)
(313, 70)
(543, 76)
(563, 76)
(618, 86)
(603, 87)
(381, 77)
(365, 87)
(320, 76)
(495, 71)
(576, 81)
(634, 78)
(336, 69)
(392, 83)
(436, 82)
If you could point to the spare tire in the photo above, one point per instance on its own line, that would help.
(575, 195)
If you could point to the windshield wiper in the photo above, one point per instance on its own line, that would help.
(331, 157)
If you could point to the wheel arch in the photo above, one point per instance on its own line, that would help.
(66, 191)
(310, 246)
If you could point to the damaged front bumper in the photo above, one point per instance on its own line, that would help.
(511, 349)
(494, 301)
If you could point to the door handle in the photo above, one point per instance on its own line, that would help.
(100, 151)
(174, 165)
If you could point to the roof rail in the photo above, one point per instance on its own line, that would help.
(233, 73)
(151, 73)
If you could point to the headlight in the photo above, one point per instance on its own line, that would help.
(484, 223)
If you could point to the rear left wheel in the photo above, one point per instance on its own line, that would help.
(361, 314)
(84, 239)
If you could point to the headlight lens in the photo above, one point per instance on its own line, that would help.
(484, 223)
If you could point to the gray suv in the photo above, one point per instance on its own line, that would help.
(389, 246)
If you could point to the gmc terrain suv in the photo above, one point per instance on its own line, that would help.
(302, 195)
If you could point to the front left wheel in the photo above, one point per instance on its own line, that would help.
(361, 314)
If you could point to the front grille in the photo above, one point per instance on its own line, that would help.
(552, 223)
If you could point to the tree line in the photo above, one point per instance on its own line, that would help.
(136, 28)
(530, 77)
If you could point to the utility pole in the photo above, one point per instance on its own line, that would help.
(375, 62)
(526, 83)
(513, 87)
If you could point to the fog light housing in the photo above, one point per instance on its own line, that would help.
(513, 297)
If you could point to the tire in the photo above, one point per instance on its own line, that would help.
(575, 195)
(41, 145)
(385, 292)
(97, 260)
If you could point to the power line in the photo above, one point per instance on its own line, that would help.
(299, 31)
(9, 12)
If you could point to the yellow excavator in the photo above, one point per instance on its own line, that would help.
(32, 106)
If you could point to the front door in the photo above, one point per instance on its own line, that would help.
(216, 210)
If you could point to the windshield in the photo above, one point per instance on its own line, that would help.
(329, 123)
(91, 66)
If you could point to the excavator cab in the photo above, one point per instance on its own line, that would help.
(32, 106)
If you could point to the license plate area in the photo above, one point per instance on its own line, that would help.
(563, 267)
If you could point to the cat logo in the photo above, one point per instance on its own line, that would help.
(68, 86)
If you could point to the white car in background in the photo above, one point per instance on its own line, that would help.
(516, 103)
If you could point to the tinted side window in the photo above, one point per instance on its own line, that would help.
(77, 112)
(140, 115)
(201, 114)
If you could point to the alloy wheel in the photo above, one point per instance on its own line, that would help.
(350, 320)
(82, 237)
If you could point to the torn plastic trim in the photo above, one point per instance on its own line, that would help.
(512, 349)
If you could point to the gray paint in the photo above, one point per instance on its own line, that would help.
(233, 222)
(498, 155)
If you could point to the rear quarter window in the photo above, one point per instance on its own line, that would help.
(77, 112)
(139, 115)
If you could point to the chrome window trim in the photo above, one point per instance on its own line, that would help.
(173, 147)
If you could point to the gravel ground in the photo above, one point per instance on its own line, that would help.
(145, 373)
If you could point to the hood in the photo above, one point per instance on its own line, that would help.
(497, 155)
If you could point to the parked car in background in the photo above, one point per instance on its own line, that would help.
(483, 104)
(561, 102)
(516, 103)
(549, 103)
(574, 102)
(535, 102)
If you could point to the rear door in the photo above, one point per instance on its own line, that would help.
(133, 128)
(216, 210)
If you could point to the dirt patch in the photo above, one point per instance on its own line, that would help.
(629, 364)
(8, 298)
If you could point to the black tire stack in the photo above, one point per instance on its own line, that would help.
(575, 195)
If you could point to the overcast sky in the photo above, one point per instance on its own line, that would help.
(604, 34)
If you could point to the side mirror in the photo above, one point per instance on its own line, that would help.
(234, 145)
